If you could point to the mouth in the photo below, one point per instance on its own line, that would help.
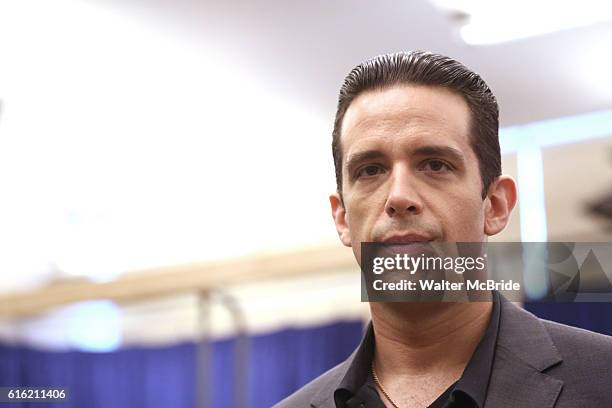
(407, 238)
(411, 244)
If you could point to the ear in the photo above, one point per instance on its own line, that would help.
(339, 215)
(500, 201)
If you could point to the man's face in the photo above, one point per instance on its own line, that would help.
(409, 172)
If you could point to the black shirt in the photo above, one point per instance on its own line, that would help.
(358, 390)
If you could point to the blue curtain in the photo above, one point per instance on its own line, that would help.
(591, 316)
(164, 377)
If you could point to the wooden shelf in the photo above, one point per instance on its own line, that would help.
(179, 279)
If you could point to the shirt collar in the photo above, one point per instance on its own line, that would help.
(475, 378)
(359, 370)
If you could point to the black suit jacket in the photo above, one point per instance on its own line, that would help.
(538, 363)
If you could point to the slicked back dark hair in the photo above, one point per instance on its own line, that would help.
(425, 68)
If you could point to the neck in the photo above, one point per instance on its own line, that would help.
(418, 339)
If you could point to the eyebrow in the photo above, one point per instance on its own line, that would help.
(442, 151)
(447, 152)
(359, 157)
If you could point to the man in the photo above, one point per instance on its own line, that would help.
(417, 158)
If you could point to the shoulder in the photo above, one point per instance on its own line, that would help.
(322, 385)
(579, 357)
(585, 366)
(524, 332)
(579, 344)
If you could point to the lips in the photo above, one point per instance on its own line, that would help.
(407, 238)
(411, 244)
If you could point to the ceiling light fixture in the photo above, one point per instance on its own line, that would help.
(481, 22)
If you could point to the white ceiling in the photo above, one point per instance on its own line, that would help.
(304, 49)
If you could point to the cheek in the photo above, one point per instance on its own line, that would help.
(361, 215)
(464, 220)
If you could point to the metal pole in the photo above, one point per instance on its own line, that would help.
(241, 351)
(203, 353)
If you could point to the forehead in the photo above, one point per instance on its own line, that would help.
(407, 113)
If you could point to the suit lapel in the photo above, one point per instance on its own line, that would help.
(324, 398)
(516, 384)
(524, 351)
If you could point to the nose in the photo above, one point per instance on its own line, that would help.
(402, 199)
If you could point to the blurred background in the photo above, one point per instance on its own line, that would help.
(165, 236)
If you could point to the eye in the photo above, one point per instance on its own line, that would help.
(436, 166)
(370, 170)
